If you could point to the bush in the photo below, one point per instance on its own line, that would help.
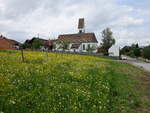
(146, 52)
(137, 52)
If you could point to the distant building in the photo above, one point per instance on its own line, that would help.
(114, 51)
(46, 44)
(6, 43)
(79, 42)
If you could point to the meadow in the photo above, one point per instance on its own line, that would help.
(61, 83)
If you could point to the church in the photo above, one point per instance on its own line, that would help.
(79, 42)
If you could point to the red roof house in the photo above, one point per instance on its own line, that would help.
(6, 43)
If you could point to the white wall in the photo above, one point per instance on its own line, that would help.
(86, 46)
(114, 51)
(80, 49)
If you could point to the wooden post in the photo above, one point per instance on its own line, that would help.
(47, 55)
(22, 55)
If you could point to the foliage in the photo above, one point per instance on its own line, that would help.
(125, 50)
(25, 46)
(146, 52)
(133, 50)
(107, 40)
(64, 45)
(64, 84)
(137, 52)
(91, 48)
(37, 44)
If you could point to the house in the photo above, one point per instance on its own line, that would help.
(79, 42)
(6, 43)
(45, 44)
(114, 51)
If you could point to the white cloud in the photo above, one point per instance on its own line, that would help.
(126, 21)
(24, 19)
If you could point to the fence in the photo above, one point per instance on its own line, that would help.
(23, 55)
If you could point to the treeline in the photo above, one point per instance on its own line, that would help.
(135, 51)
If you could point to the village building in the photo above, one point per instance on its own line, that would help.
(6, 43)
(79, 42)
(45, 44)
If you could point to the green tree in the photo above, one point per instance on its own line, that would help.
(24, 46)
(64, 45)
(125, 50)
(107, 40)
(137, 45)
(37, 44)
(146, 52)
(137, 52)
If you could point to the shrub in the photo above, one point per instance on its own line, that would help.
(146, 52)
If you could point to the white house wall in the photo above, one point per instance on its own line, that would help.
(86, 46)
(80, 49)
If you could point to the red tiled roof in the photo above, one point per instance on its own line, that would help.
(48, 42)
(81, 23)
(14, 42)
(78, 38)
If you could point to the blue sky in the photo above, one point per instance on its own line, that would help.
(128, 19)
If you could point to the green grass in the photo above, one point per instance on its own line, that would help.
(65, 84)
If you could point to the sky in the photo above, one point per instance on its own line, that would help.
(129, 20)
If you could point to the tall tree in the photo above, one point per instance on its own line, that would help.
(137, 52)
(107, 40)
(37, 44)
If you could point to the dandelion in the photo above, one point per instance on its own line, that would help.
(12, 102)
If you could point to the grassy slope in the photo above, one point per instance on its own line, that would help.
(65, 84)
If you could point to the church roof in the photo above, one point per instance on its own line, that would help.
(78, 38)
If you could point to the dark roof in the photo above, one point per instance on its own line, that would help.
(81, 23)
(45, 42)
(78, 38)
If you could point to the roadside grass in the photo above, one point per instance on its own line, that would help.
(66, 84)
(141, 81)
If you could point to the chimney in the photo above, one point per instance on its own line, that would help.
(81, 25)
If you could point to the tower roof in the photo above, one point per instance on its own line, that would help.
(81, 23)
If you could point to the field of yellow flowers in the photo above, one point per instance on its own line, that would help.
(61, 83)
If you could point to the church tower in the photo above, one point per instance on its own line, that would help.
(81, 25)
